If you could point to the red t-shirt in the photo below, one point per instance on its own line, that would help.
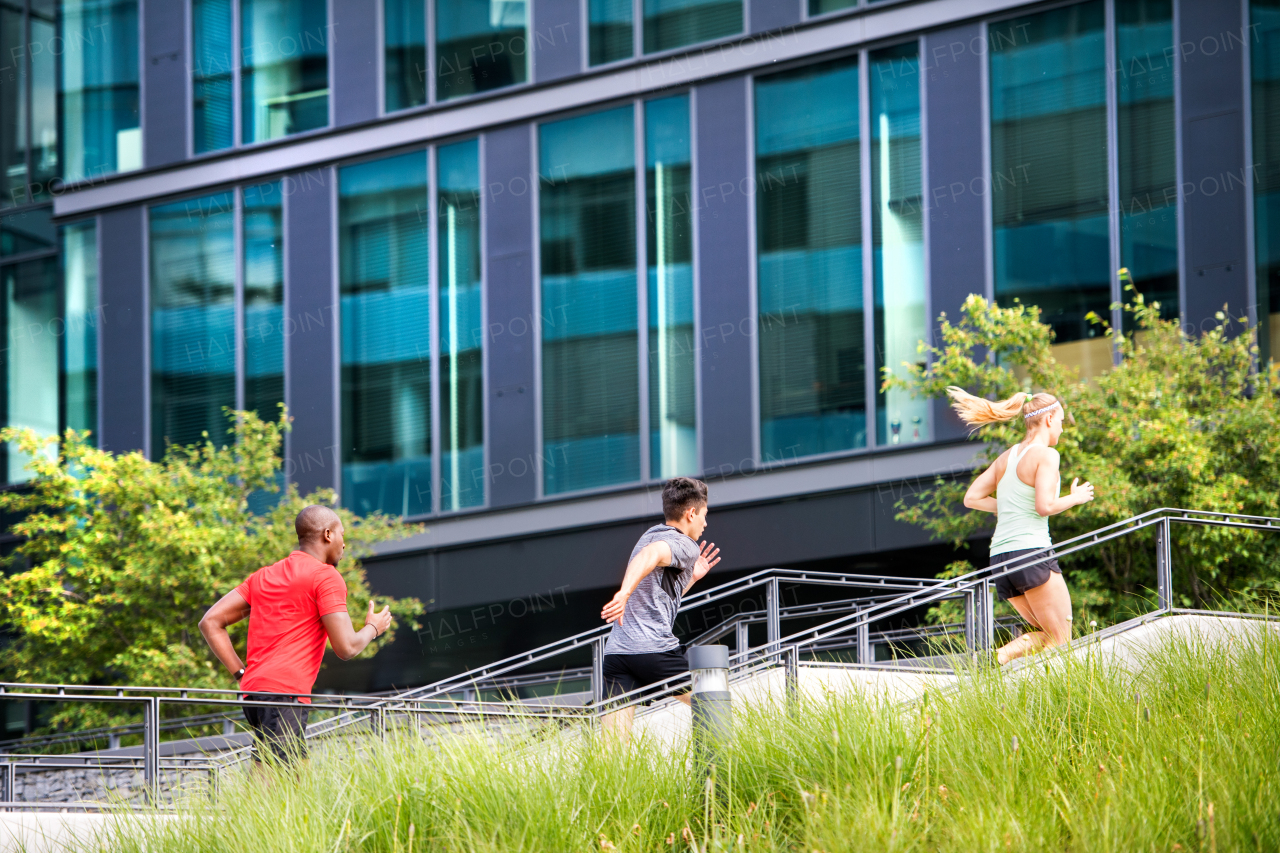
(286, 636)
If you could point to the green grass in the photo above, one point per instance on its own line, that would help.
(1182, 755)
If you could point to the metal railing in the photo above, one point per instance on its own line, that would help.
(435, 704)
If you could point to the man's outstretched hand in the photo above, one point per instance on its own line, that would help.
(613, 611)
(708, 556)
(380, 621)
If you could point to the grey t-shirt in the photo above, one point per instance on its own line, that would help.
(651, 610)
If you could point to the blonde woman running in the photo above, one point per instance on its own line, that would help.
(1023, 489)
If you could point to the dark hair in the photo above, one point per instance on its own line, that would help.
(681, 493)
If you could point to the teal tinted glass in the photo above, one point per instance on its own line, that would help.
(405, 53)
(481, 45)
(284, 67)
(669, 24)
(386, 360)
(193, 329)
(29, 230)
(818, 7)
(673, 422)
(99, 88)
(1265, 73)
(1147, 147)
(263, 299)
(44, 100)
(809, 233)
(14, 107)
(610, 35)
(461, 328)
(897, 233)
(30, 309)
(590, 365)
(80, 341)
(1049, 165)
(213, 75)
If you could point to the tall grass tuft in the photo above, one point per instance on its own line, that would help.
(1179, 754)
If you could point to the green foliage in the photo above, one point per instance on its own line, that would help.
(1180, 421)
(121, 556)
(1180, 754)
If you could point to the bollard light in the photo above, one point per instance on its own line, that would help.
(712, 714)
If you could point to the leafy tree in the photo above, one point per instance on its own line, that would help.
(121, 556)
(1180, 421)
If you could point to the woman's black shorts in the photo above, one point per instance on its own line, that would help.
(1018, 582)
(624, 673)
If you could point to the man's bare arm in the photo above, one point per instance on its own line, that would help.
(346, 641)
(650, 557)
(229, 610)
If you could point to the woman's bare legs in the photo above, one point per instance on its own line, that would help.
(1047, 608)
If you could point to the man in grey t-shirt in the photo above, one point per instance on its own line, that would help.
(664, 564)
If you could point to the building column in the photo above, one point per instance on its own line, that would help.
(311, 358)
(124, 333)
(353, 61)
(556, 39)
(955, 206)
(165, 72)
(507, 172)
(724, 184)
(1213, 175)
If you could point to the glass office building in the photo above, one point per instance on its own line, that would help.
(511, 264)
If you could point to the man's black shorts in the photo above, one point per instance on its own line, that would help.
(624, 673)
(278, 728)
(1018, 582)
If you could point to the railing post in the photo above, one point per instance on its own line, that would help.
(863, 637)
(151, 748)
(10, 782)
(1164, 566)
(793, 672)
(742, 639)
(378, 722)
(988, 615)
(970, 622)
(772, 617)
(597, 672)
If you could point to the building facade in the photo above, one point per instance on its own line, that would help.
(512, 263)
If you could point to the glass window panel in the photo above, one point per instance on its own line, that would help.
(44, 101)
(480, 45)
(590, 364)
(897, 233)
(31, 360)
(193, 278)
(1049, 172)
(809, 236)
(80, 341)
(284, 75)
(405, 28)
(1265, 73)
(610, 25)
(28, 231)
(818, 7)
(212, 79)
(263, 300)
(670, 24)
(673, 422)
(13, 104)
(461, 328)
(99, 92)
(386, 363)
(1148, 169)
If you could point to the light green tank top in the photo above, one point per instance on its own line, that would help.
(1018, 525)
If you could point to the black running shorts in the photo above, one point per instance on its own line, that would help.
(277, 728)
(1018, 582)
(624, 673)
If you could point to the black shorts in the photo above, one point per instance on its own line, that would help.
(1018, 582)
(277, 728)
(624, 673)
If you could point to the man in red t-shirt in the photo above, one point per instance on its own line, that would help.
(293, 607)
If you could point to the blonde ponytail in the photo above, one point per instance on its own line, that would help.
(978, 412)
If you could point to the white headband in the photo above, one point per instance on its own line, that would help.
(1029, 415)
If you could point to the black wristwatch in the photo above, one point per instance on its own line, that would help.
(239, 674)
